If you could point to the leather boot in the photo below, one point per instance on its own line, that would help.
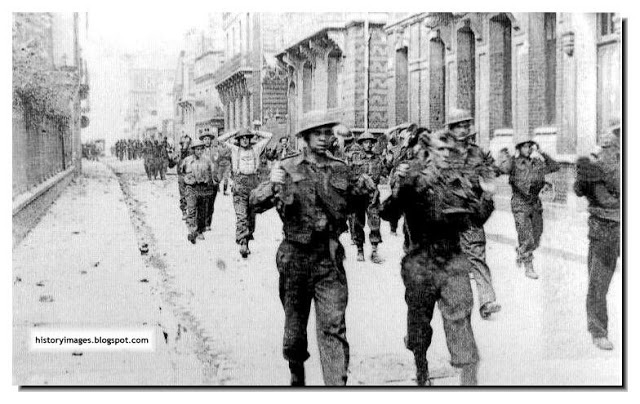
(244, 248)
(375, 258)
(297, 374)
(192, 237)
(528, 270)
(469, 375)
(488, 309)
(422, 369)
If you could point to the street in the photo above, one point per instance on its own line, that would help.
(221, 317)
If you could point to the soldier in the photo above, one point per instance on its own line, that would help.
(342, 142)
(526, 176)
(163, 158)
(245, 163)
(211, 152)
(201, 181)
(480, 165)
(311, 192)
(176, 160)
(148, 158)
(439, 203)
(598, 180)
(366, 169)
(224, 164)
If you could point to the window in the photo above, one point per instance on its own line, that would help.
(606, 24)
(466, 58)
(550, 55)
(332, 78)
(609, 94)
(307, 95)
(500, 79)
(402, 86)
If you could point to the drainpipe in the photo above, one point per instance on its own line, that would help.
(367, 39)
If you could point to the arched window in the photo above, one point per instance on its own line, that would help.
(307, 87)
(500, 76)
(466, 57)
(333, 62)
(402, 85)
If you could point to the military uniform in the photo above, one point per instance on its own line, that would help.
(200, 183)
(439, 205)
(149, 166)
(366, 170)
(313, 206)
(162, 159)
(212, 153)
(224, 165)
(527, 178)
(177, 159)
(245, 165)
(475, 163)
(599, 182)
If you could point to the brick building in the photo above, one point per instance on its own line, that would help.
(339, 71)
(553, 76)
(249, 82)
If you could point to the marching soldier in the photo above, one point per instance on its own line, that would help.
(163, 158)
(598, 180)
(311, 192)
(479, 164)
(148, 158)
(439, 203)
(200, 182)
(366, 168)
(527, 178)
(245, 165)
(176, 160)
(224, 164)
(343, 142)
(211, 152)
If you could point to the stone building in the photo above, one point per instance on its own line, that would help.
(249, 82)
(339, 71)
(209, 113)
(555, 77)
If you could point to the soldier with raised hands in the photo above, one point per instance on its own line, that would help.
(439, 204)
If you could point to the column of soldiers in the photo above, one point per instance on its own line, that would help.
(441, 183)
(128, 149)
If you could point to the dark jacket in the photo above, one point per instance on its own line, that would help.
(527, 176)
(438, 205)
(313, 203)
(599, 182)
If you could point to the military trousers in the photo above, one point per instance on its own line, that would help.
(315, 272)
(183, 194)
(211, 202)
(529, 225)
(197, 198)
(473, 243)
(366, 210)
(429, 279)
(243, 184)
(224, 173)
(604, 250)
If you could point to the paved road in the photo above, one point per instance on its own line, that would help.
(230, 309)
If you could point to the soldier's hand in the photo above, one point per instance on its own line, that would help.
(488, 187)
(277, 174)
(536, 155)
(402, 170)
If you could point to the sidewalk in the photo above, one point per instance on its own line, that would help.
(80, 268)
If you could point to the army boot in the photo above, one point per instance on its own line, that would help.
(469, 375)
(603, 343)
(192, 237)
(375, 257)
(528, 270)
(297, 373)
(200, 236)
(360, 254)
(488, 309)
(244, 248)
(422, 369)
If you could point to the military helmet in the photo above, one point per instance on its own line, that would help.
(367, 136)
(343, 131)
(457, 116)
(313, 124)
(524, 142)
(244, 132)
(197, 143)
(205, 135)
(609, 139)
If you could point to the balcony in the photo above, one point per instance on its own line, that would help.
(240, 63)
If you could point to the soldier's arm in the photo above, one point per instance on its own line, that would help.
(226, 136)
(550, 165)
(262, 198)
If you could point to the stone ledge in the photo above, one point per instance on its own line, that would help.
(26, 198)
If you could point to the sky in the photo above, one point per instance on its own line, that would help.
(110, 36)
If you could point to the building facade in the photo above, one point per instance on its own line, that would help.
(553, 77)
(250, 84)
(49, 110)
(340, 72)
